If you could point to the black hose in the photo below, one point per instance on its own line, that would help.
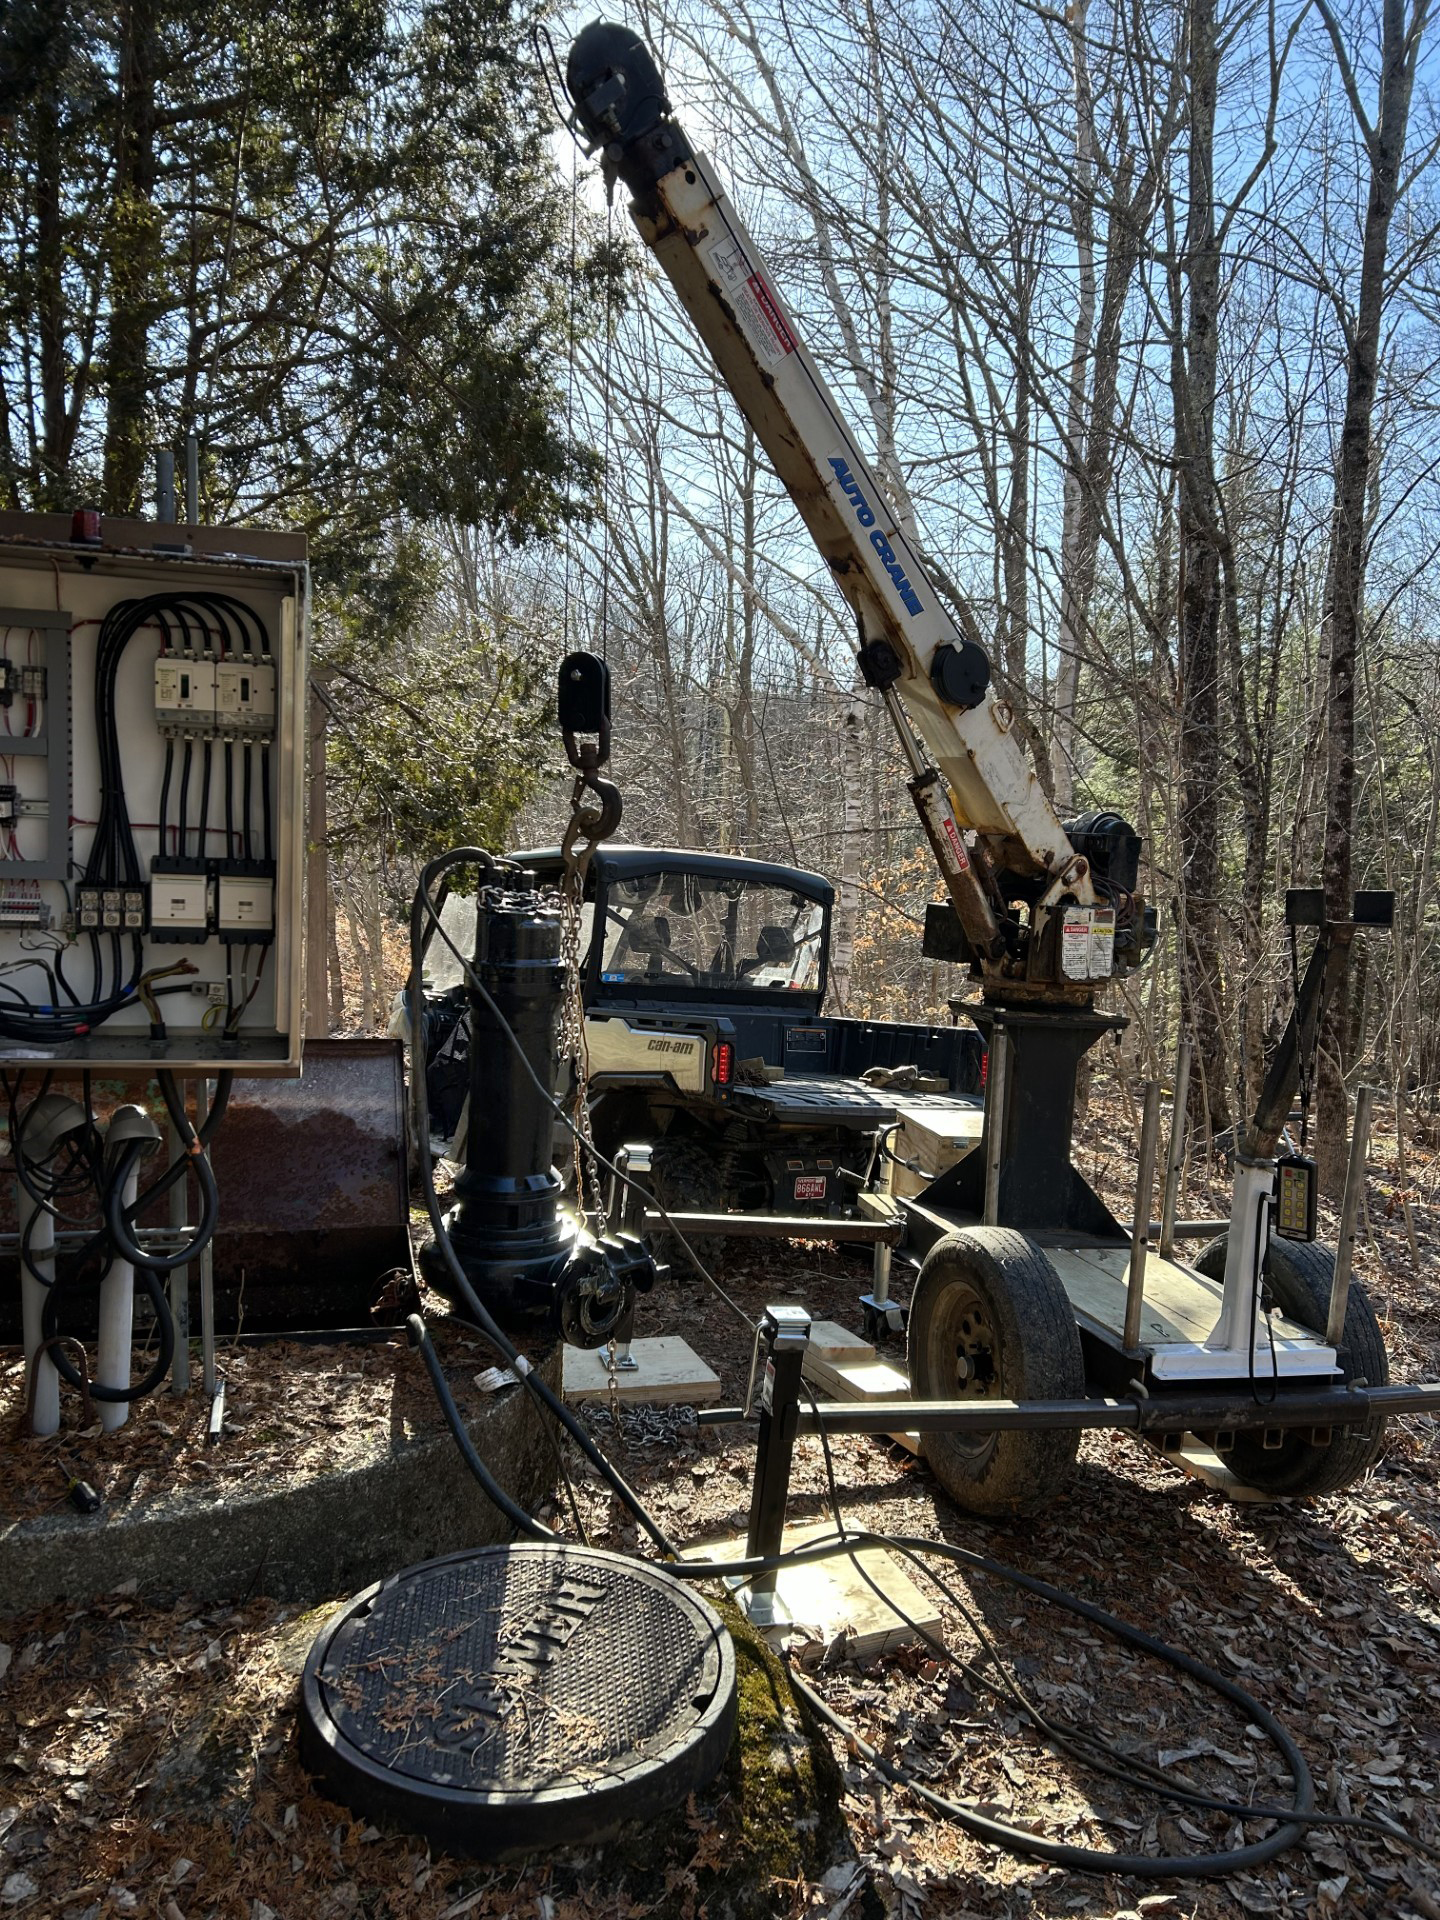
(159, 1371)
(118, 1215)
(513, 1511)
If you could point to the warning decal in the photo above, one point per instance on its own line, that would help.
(754, 303)
(765, 300)
(952, 834)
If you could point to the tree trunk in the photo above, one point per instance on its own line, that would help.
(133, 254)
(319, 907)
(1196, 297)
(1385, 146)
(847, 899)
(1077, 522)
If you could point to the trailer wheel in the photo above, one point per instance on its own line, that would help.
(1300, 1275)
(989, 1319)
(687, 1176)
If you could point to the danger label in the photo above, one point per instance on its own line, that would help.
(957, 845)
(765, 301)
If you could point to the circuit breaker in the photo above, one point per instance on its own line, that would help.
(151, 829)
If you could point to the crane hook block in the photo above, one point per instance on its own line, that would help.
(960, 674)
(582, 696)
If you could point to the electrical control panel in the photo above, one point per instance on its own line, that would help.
(151, 823)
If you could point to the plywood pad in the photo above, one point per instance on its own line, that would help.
(670, 1373)
(833, 1596)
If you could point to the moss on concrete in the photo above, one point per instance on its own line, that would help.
(770, 1820)
(781, 1771)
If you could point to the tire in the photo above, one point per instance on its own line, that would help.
(1299, 1274)
(687, 1176)
(990, 1319)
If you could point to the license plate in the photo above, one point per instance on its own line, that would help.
(810, 1186)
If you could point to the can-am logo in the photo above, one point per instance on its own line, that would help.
(865, 514)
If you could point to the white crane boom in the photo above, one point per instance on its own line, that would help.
(970, 770)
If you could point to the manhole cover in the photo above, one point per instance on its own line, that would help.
(521, 1697)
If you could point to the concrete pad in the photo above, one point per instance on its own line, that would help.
(406, 1499)
(670, 1373)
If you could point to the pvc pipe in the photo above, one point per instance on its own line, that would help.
(45, 1417)
(1140, 1234)
(1349, 1218)
(208, 1369)
(117, 1323)
(1249, 1236)
(1175, 1163)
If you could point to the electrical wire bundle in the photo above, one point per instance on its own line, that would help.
(210, 625)
(203, 622)
(81, 1171)
(1081, 1743)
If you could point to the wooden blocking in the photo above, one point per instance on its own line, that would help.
(830, 1341)
(1202, 1463)
(865, 1377)
(824, 1599)
(670, 1373)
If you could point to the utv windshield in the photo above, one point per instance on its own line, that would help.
(698, 930)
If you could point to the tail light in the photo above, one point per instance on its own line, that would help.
(984, 1068)
(722, 1063)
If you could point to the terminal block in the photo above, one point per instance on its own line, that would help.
(245, 699)
(9, 805)
(180, 901)
(110, 909)
(9, 682)
(21, 905)
(33, 682)
(185, 694)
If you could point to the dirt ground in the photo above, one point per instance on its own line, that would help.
(147, 1758)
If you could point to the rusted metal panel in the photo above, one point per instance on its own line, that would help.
(314, 1206)
(312, 1177)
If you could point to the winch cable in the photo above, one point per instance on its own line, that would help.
(1294, 1819)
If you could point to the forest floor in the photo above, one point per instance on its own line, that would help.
(147, 1753)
